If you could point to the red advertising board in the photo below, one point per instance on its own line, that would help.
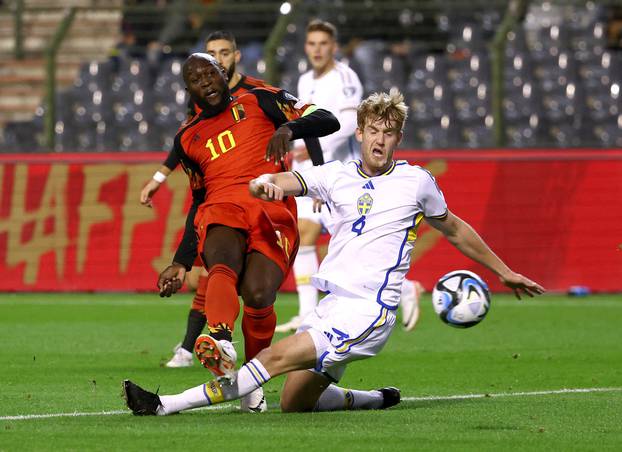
(72, 222)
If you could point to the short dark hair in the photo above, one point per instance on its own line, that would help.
(322, 25)
(221, 34)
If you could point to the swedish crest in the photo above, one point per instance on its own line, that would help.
(364, 204)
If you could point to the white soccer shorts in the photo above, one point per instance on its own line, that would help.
(346, 328)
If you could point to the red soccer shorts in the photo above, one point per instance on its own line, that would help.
(271, 228)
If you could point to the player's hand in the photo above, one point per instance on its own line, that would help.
(518, 283)
(279, 144)
(262, 188)
(317, 205)
(146, 194)
(300, 154)
(171, 279)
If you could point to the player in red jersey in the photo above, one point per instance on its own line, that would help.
(222, 46)
(246, 244)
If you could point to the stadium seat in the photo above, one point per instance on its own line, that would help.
(473, 104)
(134, 136)
(168, 114)
(430, 105)
(95, 76)
(379, 69)
(441, 134)
(138, 108)
(169, 80)
(558, 70)
(609, 133)
(589, 40)
(516, 41)
(133, 75)
(597, 72)
(489, 20)
(523, 132)
(22, 136)
(601, 106)
(519, 104)
(564, 135)
(252, 62)
(162, 136)
(468, 73)
(96, 137)
(427, 71)
(90, 107)
(476, 133)
(518, 64)
(467, 39)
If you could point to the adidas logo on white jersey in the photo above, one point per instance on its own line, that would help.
(369, 186)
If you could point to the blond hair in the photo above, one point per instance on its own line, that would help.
(388, 107)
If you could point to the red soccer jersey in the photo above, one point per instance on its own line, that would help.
(246, 83)
(226, 151)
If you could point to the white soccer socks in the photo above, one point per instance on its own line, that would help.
(305, 266)
(248, 378)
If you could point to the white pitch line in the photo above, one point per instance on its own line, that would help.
(510, 394)
(25, 417)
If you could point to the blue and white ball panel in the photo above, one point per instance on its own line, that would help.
(461, 299)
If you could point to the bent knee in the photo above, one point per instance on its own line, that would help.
(258, 297)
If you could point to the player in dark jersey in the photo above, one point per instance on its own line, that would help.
(246, 244)
(222, 46)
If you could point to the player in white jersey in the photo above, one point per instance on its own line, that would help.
(377, 204)
(334, 86)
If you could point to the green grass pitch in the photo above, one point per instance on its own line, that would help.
(65, 354)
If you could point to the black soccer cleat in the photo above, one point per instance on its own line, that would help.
(391, 397)
(141, 402)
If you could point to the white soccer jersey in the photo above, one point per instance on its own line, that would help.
(375, 222)
(340, 92)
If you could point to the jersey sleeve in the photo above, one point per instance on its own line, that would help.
(281, 106)
(351, 92)
(172, 160)
(187, 248)
(430, 197)
(317, 181)
(304, 120)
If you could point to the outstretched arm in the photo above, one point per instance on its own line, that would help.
(271, 187)
(316, 124)
(151, 187)
(461, 235)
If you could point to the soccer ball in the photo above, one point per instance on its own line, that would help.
(461, 299)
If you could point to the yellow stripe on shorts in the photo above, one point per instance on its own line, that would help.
(347, 345)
